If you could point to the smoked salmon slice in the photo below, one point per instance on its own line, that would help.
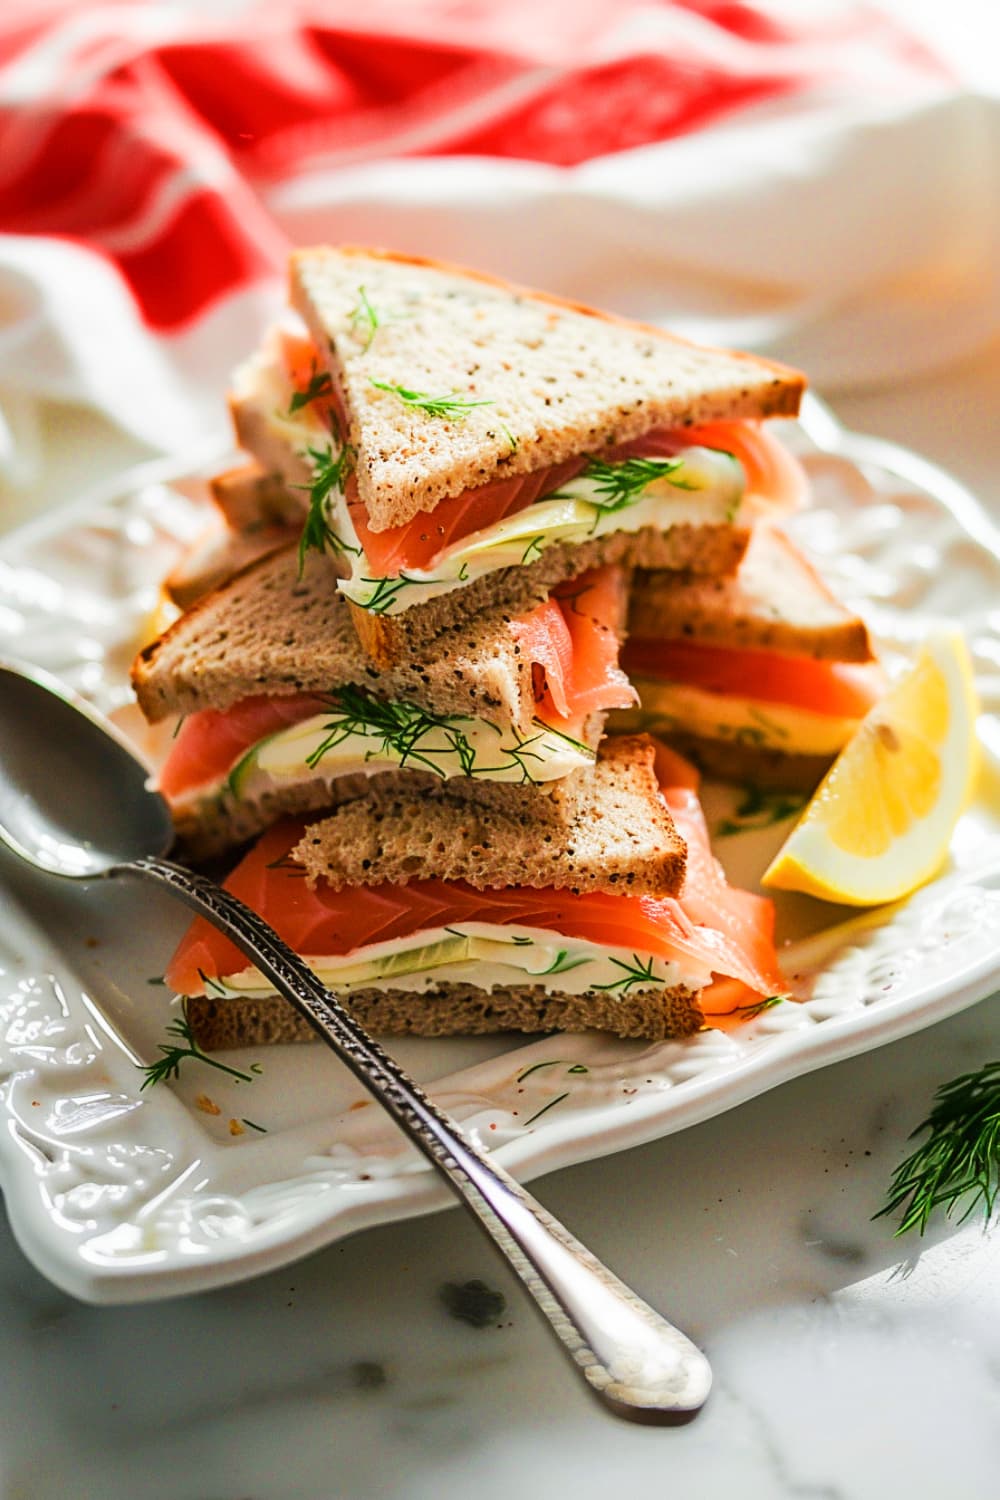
(208, 743)
(774, 478)
(416, 544)
(573, 641)
(845, 690)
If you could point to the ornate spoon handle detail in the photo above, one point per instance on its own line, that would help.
(639, 1364)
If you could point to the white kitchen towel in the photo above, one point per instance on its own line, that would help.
(819, 182)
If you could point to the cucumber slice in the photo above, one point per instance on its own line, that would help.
(577, 512)
(531, 957)
(240, 775)
(450, 950)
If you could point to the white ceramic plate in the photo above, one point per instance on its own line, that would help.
(122, 1195)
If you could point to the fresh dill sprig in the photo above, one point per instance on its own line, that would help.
(545, 1109)
(320, 384)
(758, 1007)
(400, 727)
(620, 485)
(960, 1157)
(635, 972)
(387, 591)
(760, 808)
(522, 751)
(365, 314)
(174, 1053)
(533, 550)
(561, 964)
(551, 1062)
(287, 863)
(329, 474)
(567, 739)
(518, 755)
(452, 405)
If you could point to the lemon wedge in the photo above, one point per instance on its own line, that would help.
(880, 822)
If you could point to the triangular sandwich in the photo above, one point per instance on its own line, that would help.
(463, 444)
(431, 916)
(284, 713)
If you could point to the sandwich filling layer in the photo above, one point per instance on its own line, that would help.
(699, 487)
(488, 955)
(264, 744)
(718, 474)
(761, 698)
(425, 931)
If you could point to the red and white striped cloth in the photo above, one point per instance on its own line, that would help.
(809, 179)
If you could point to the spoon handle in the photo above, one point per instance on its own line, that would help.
(632, 1358)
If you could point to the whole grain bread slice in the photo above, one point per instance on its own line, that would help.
(450, 1010)
(606, 828)
(775, 601)
(251, 495)
(390, 639)
(270, 631)
(218, 554)
(749, 765)
(526, 379)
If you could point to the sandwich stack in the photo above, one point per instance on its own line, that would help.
(399, 653)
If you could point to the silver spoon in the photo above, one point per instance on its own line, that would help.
(74, 802)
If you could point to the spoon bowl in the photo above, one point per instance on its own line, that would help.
(74, 800)
(76, 803)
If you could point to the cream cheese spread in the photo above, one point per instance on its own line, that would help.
(487, 955)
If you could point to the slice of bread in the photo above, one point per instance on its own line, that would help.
(269, 631)
(451, 1010)
(391, 639)
(541, 379)
(218, 554)
(607, 828)
(252, 495)
(752, 765)
(776, 601)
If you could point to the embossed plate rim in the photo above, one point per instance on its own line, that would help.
(766, 1054)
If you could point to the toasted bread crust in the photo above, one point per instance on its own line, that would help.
(218, 555)
(251, 495)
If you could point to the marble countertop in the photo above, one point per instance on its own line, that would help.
(849, 1365)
